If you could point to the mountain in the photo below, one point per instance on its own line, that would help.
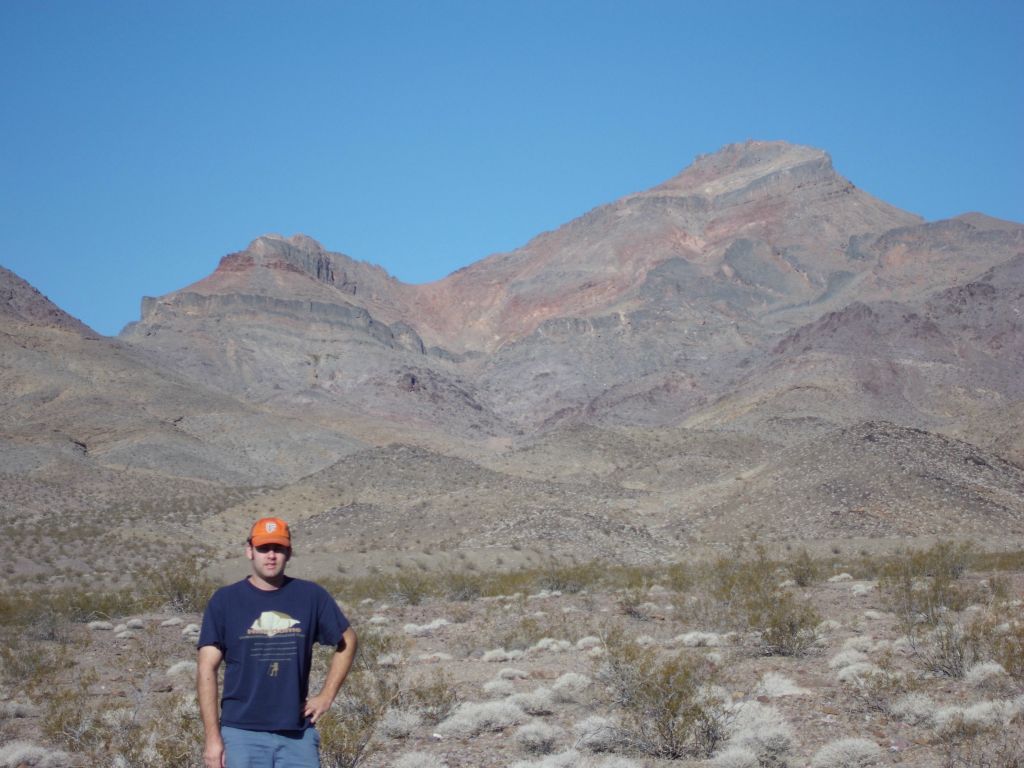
(643, 311)
(754, 347)
(72, 398)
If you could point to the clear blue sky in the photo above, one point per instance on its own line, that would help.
(142, 140)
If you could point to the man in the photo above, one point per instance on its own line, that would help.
(264, 627)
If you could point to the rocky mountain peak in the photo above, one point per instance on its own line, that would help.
(21, 303)
(739, 166)
(273, 246)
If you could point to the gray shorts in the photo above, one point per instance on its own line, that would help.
(271, 749)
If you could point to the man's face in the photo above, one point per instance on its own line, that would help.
(268, 560)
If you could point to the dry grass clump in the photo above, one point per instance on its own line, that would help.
(570, 687)
(540, 701)
(418, 760)
(761, 730)
(987, 734)
(398, 723)
(848, 753)
(597, 734)
(774, 686)
(473, 718)
(22, 754)
(538, 737)
(499, 688)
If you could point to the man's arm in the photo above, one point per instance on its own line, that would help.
(208, 662)
(341, 663)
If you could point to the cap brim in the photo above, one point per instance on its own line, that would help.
(259, 541)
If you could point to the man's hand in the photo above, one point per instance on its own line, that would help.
(213, 754)
(317, 706)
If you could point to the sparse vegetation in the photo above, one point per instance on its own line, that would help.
(658, 666)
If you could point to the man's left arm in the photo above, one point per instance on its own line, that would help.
(341, 663)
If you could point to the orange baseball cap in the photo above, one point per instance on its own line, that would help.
(270, 530)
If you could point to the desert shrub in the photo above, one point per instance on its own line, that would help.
(370, 690)
(597, 734)
(998, 561)
(735, 757)
(735, 579)
(912, 708)
(773, 685)
(998, 636)
(664, 710)
(570, 687)
(803, 569)
(434, 697)
(27, 665)
(987, 735)
(570, 578)
(410, 589)
(78, 605)
(948, 649)
(184, 588)
(748, 587)
(632, 603)
(128, 734)
(787, 625)
(874, 686)
(921, 585)
(462, 586)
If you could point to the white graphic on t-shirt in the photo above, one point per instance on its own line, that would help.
(272, 623)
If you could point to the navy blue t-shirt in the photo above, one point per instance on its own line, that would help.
(267, 640)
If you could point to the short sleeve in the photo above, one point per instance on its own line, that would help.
(212, 630)
(331, 622)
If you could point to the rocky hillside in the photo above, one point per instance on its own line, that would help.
(680, 367)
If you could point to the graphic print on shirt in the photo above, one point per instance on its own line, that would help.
(272, 623)
(275, 637)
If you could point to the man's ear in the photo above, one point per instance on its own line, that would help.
(248, 550)
(288, 555)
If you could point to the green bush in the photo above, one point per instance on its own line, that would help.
(803, 569)
(667, 705)
(184, 588)
(748, 588)
(921, 585)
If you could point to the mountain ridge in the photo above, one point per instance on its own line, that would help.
(662, 369)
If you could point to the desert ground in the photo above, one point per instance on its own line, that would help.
(913, 658)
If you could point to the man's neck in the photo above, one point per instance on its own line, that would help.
(267, 585)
